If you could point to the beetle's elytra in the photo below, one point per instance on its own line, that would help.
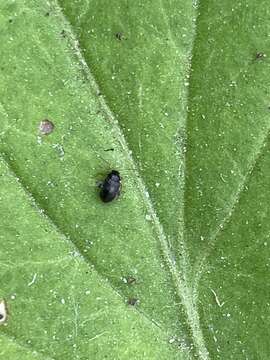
(110, 188)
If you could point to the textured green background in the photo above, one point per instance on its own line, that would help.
(184, 102)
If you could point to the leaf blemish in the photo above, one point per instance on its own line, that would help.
(133, 301)
(259, 56)
(129, 280)
(3, 312)
(119, 36)
(46, 127)
(59, 149)
(63, 34)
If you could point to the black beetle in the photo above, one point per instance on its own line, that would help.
(110, 187)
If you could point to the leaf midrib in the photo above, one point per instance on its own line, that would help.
(46, 216)
(121, 138)
(180, 281)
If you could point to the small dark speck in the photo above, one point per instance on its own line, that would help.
(46, 127)
(119, 36)
(10, 21)
(130, 280)
(63, 34)
(260, 56)
(133, 301)
(110, 149)
(47, 13)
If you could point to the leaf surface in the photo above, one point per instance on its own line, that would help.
(183, 103)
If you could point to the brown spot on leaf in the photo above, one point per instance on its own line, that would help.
(46, 127)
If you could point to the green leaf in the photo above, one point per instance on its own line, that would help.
(180, 92)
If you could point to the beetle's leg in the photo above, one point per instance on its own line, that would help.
(99, 184)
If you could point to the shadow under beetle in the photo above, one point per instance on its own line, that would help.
(110, 187)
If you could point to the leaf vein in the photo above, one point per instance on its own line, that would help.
(121, 138)
(46, 216)
(236, 197)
